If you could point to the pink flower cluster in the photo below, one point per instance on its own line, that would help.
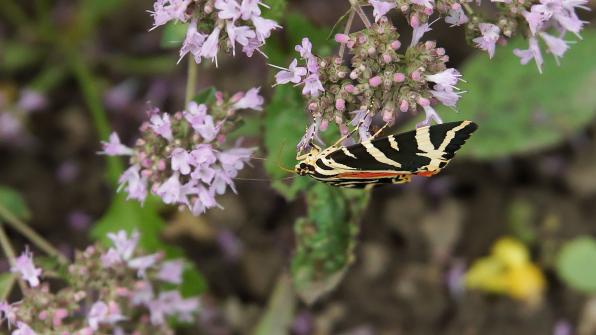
(378, 79)
(106, 291)
(241, 21)
(185, 159)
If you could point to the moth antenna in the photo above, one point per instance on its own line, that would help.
(279, 165)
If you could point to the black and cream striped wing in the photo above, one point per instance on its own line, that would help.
(426, 149)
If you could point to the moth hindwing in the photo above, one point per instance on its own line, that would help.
(388, 160)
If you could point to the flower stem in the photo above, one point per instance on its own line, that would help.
(10, 254)
(342, 48)
(30, 234)
(360, 13)
(468, 8)
(191, 81)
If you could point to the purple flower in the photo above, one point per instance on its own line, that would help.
(263, 27)
(25, 267)
(250, 9)
(31, 101)
(203, 154)
(208, 130)
(241, 34)
(114, 148)
(312, 86)
(141, 264)
(8, 312)
(173, 192)
(181, 161)
(136, 186)
(205, 200)
(23, 329)
(425, 3)
(456, 17)
(195, 114)
(563, 12)
(101, 313)
(110, 258)
(233, 160)
(490, 36)
(161, 125)
(446, 95)
(431, 114)
(168, 10)
(556, 46)
(211, 46)
(251, 100)
(204, 173)
(123, 245)
(533, 52)
(535, 20)
(171, 303)
(447, 78)
(381, 8)
(171, 272)
(308, 137)
(193, 42)
(253, 44)
(418, 32)
(294, 74)
(228, 9)
(142, 293)
(305, 49)
(221, 181)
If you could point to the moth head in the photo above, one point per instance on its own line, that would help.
(304, 168)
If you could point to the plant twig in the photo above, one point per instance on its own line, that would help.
(30, 234)
(342, 48)
(360, 13)
(191, 81)
(10, 254)
(468, 9)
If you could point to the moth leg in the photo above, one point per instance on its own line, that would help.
(374, 137)
(402, 179)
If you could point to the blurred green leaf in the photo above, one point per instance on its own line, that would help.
(298, 26)
(193, 282)
(173, 35)
(520, 110)
(576, 264)
(277, 9)
(285, 122)
(326, 239)
(279, 315)
(16, 56)
(141, 65)
(206, 96)
(49, 78)
(7, 280)
(249, 126)
(14, 203)
(521, 216)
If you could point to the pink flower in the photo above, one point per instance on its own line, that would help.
(490, 36)
(456, 17)
(181, 161)
(110, 258)
(203, 154)
(375, 81)
(446, 95)
(23, 329)
(141, 264)
(535, 20)
(171, 272)
(381, 8)
(211, 46)
(165, 11)
(205, 200)
(142, 293)
(195, 114)
(251, 100)
(425, 3)
(173, 192)
(294, 74)
(263, 27)
(25, 267)
(171, 303)
(114, 148)
(208, 130)
(431, 114)
(556, 46)
(250, 9)
(193, 42)
(447, 78)
(101, 313)
(8, 312)
(418, 32)
(136, 186)
(533, 52)
(305, 49)
(241, 34)
(312, 86)
(123, 245)
(161, 125)
(228, 9)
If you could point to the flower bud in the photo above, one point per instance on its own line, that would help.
(354, 75)
(324, 125)
(414, 21)
(312, 106)
(343, 129)
(340, 104)
(395, 45)
(161, 165)
(388, 116)
(375, 81)
(387, 58)
(428, 11)
(399, 77)
(362, 39)
(456, 6)
(342, 38)
(416, 76)
(349, 88)
(404, 106)
(371, 51)
(424, 102)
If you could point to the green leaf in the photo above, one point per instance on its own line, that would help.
(279, 315)
(193, 282)
(520, 110)
(298, 26)
(206, 96)
(326, 239)
(173, 35)
(7, 280)
(17, 56)
(249, 126)
(285, 123)
(277, 9)
(576, 264)
(14, 203)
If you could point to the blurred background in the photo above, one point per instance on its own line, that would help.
(523, 188)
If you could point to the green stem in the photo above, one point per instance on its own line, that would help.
(468, 9)
(30, 234)
(191, 81)
(10, 254)
(92, 98)
(342, 48)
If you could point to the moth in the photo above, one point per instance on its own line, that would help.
(389, 160)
